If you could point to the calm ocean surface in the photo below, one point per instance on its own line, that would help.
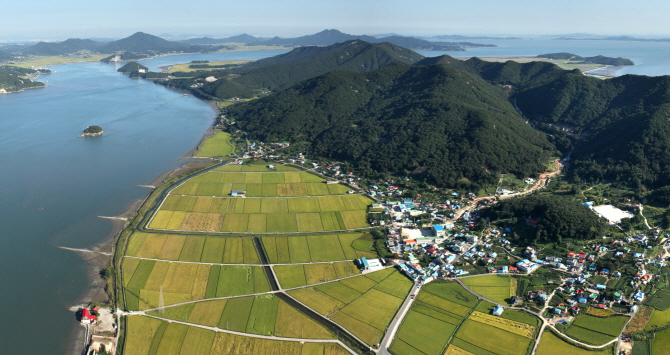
(53, 184)
(650, 58)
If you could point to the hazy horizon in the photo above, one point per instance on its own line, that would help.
(57, 21)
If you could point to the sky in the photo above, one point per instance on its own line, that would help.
(42, 19)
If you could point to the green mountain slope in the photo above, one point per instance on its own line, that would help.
(435, 121)
(616, 129)
(280, 72)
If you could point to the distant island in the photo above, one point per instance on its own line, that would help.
(92, 131)
(599, 59)
(134, 68)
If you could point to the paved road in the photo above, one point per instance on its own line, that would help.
(395, 324)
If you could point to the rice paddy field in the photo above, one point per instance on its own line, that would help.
(363, 305)
(276, 202)
(217, 250)
(290, 276)
(446, 318)
(148, 335)
(658, 319)
(494, 287)
(595, 330)
(216, 145)
(551, 344)
(314, 248)
(151, 284)
(261, 314)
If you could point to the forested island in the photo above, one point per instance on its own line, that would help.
(14, 79)
(92, 131)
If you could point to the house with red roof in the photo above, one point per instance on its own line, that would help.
(87, 316)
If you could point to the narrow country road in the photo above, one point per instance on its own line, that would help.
(395, 324)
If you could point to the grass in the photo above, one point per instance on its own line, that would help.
(551, 344)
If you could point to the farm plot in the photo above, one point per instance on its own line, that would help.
(551, 344)
(496, 288)
(658, 319)
(433, 318)
(217, 145)
(148, 335)
(364, 311)
(595, 330)
(290, 276)
(154, 282)
(314, 248)
(496, 341)
(261, 314)
(276, 202)
(218, 250)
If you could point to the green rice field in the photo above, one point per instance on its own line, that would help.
(181, 282)
(217, 145)
(261, 314)
(148, 335)
(217, 250)
(551, 344)
(437, 312)
(494, 287)
(314, 248)
(290, 276)
(595, 330)
(360, 304)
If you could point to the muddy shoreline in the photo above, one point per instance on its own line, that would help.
(96, 262)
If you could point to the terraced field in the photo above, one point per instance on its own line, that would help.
(276, 202)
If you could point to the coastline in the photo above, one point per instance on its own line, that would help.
(95, 262)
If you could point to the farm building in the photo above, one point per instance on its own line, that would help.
(366, 264)
(498, 311)
(238, 193)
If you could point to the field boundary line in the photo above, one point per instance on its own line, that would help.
(232, 264)
(267, 337)
(334, 322)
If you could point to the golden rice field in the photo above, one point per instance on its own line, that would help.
(276, 202)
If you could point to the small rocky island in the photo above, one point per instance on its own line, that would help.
(92, 131)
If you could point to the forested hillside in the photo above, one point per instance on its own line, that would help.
(280, 72)
(16, 79)
(549, 218)
(434, 121)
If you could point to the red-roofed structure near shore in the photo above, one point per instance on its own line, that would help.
(87, 317)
